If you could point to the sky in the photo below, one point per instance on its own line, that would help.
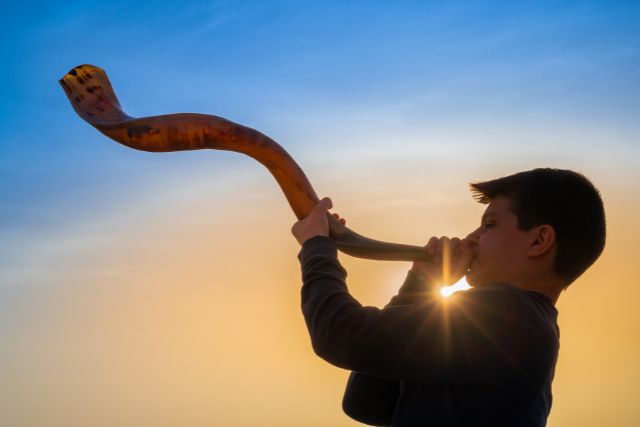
(163, 289)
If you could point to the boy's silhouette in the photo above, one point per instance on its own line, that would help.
(483, 357)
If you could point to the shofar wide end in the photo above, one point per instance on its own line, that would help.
(92, 96)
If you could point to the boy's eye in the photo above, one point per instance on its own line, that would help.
(489, 225)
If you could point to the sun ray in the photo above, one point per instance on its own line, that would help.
(461, 285)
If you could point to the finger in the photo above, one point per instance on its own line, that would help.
(446, 248)
(341, 220)
(325, 204)
(465, 257)
(443, 243)
(437, 258)
(455, 246)
(432, 245)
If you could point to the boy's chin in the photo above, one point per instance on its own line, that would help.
(473, 278)
(470, 277)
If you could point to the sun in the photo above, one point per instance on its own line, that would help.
(460, 285)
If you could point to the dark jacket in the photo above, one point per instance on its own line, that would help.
(482, 357)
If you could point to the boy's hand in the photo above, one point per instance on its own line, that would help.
(316, 223)
(451, 259)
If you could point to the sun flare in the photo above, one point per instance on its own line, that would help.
(461, 285)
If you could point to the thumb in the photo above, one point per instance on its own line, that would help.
(466, 253)
(324, 205)
(464, 258)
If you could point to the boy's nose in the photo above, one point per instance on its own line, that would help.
(473, 237)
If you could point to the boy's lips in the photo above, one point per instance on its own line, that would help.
(473, 261)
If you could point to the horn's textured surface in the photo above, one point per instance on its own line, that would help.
(93, 98)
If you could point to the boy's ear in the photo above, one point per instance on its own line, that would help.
(541, 240)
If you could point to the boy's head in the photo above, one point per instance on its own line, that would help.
(540, 223)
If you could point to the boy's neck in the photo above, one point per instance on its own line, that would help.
(550, 288)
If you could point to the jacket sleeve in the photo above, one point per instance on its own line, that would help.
(471, 337)
(370, 399)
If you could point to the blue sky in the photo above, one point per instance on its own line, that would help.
(458, 79)
(463, 79)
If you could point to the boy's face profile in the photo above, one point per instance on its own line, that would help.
(499, 246)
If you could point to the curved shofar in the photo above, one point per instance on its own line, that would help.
(91, 95)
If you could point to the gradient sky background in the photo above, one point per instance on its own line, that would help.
(163, 289)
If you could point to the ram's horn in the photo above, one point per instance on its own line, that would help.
(91, 95)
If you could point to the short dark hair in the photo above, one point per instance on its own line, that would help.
(565, 200)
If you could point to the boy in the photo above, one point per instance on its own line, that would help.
(483, 357)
